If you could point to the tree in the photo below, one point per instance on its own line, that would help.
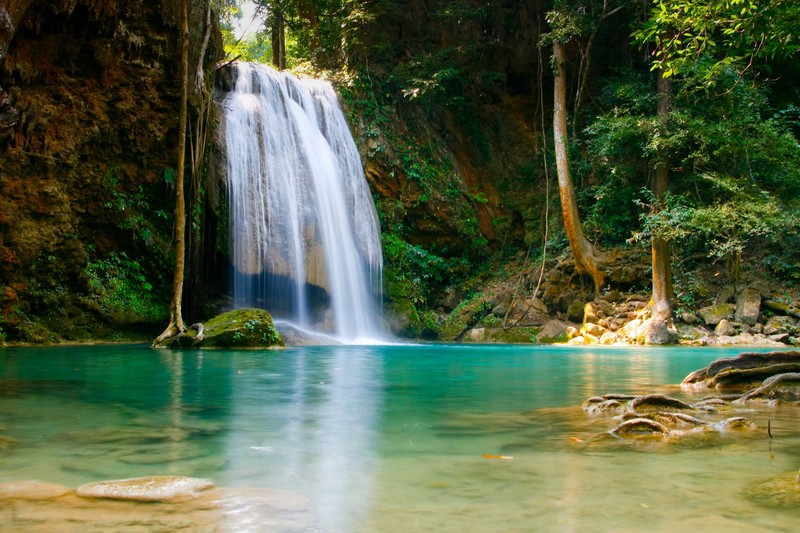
(657, 331)
(587, 257)
(567, 23)
(719, 34)
(176, 324)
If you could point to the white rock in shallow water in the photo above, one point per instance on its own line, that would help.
(26, 489)
(146, 489)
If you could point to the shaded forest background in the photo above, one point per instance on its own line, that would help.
(451, 103)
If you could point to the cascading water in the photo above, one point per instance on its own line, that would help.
(304, 230)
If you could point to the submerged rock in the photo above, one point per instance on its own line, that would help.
(26, 489)
(640, 427)
(602, 405)
(783, 490)
(782, 387)
(146, 489)
(737, 423)
(240, 328)
(657, 402)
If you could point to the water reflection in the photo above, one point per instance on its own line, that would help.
(313, 430)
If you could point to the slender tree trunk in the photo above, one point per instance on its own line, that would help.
(278, 41)
(662, 270)
(587, 257)
(176, 325)
(199, 76)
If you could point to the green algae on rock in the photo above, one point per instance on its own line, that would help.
(240, 328)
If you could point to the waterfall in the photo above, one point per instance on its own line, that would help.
(305, 242)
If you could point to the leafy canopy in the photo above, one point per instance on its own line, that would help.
(737, 33)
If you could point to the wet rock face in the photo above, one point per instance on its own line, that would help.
(89, 100)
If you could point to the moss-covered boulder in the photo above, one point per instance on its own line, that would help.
(240, 328)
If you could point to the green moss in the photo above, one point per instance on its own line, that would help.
(240, 328)
(463, 317)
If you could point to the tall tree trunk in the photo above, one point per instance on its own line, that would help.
(658, 329)
(278, 40)
(662, 270)
(587, 257)
(176, 325)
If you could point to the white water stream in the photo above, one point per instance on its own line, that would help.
(304, 230)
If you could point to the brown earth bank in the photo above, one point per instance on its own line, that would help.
(89, 95)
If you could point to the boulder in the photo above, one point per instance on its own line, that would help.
(657, 332)
(475, 335)
(554, 331)
(240, 328)
(783, 387)
(714, 314)
(748, 306)
(608, 338)
(575, 311)
(782, 308)
(725, 296)
(590, 313)
(689, 318)
(691, 333)
(724, 328)
(779, 324)
(595, 330)
(631, 329)
(146, 489)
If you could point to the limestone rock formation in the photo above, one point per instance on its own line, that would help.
(744, 370)
(240, 328)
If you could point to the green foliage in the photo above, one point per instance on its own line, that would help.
(120, 289)
(735, 168)
(135, 211)
(728, 33)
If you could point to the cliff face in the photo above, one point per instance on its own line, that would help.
(87, 152)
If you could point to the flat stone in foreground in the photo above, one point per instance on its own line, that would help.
(146, 489)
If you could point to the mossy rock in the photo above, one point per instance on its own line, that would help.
(240, 328)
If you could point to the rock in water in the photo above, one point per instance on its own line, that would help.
(640, 427)
(783, 387)
(746, 368)
(146, 489)
(657, 402)
(780, 491)
(25, 489)
(240, 328)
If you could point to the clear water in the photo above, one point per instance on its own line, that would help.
(304, 230)
(395, 438)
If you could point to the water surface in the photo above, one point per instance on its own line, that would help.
(395, 438)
